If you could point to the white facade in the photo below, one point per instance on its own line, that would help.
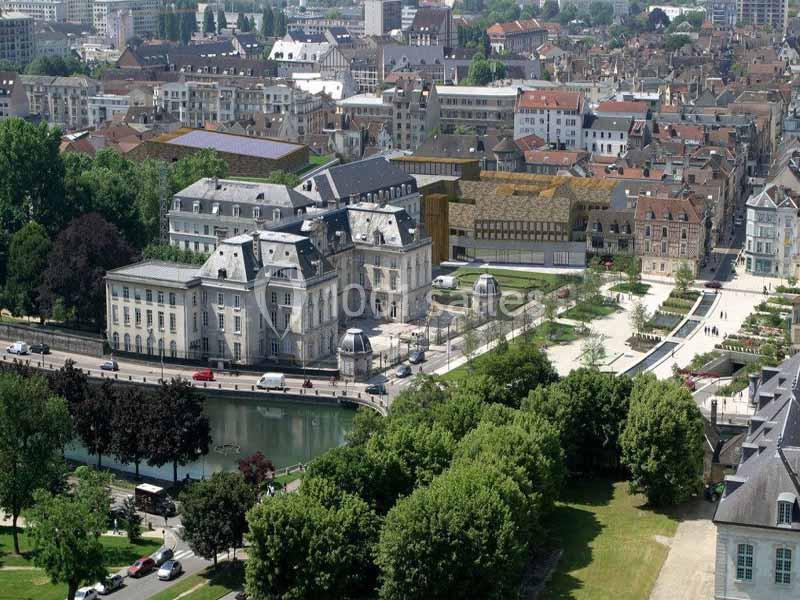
(675, 11)
(556, 117)
(607, 136)
(289, 51)
(103, 107)
(771, 237)
(41, 10)
(145, 15)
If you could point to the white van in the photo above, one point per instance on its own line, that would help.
(269, 381)
(18, 348)
(445, 282)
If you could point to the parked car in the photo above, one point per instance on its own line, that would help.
(109, 365)
(86, 593)
(141, 567)
(203, 375)
(270, 381)
(18, 348)
(240, 596)
(713, 284)
(162, 556)
(40, 349)
(108, 585)
(402, 371)
(170, 570)
(417, 357)
(378, 389)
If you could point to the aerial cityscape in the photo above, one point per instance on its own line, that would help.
(400, 299)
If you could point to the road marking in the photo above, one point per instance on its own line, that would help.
(183, 554)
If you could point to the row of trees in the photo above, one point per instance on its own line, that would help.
(450, 495)
(177, 22)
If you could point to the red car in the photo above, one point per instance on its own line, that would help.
(141, 567)
(203, 375)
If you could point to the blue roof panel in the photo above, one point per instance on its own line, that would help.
(235, 144)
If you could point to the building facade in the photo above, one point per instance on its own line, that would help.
(555, 116)
(40, 10)
(61, 101)
(17, 39)
(433, 26)
(144, 12)
(415, 112)
(763, 12)
(381, 16)
(669, 232)
(104, 107)
(481, 108)
(607, 136)
(771, 242)
(517, 37)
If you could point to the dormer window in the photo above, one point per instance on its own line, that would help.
(176, 204)
(276, 214)
(196, 207)
(215, 208)
(785, 508)
(256, 212)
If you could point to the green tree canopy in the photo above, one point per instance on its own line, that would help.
(205, 163)
(65, 530)
(209, 26)
(483, 71)
(27, 260)
(267, 22)
(34, 427)
(662, 443)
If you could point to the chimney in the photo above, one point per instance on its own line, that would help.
(256, 246)
(714, 412)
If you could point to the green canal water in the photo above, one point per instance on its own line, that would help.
(286, 432)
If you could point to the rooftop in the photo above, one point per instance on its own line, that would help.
(159, 270)
(231, 144)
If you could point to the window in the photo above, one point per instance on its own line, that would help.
(194, 322)
(126, 293)
(784, 513)
(220, 299)
(149, 318)
(161, 297)
(273, 345)
(236, 301)
(783, 565)
(287, 298)
(744, 562)
(237, 351)
(161, 321)
(196, 207)
(114, 315)
(137, 317)
(237, 324)
(115, 341)
(221, 322)
(172, 298)
(236, 210)
(286, 318)
(173, 349)
(126, 315)
(205, 318)
(274, 297)
(172, 323)
(221, 347)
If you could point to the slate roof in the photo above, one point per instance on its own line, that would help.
(429, 17)
(770, 458)
(159, 270)
(233, 144)
(610, 123)
(360, 177)
(245, 192)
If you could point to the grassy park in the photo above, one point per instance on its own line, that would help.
(588, 311)
(609, 540)
(637, 289)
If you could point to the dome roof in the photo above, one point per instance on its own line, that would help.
(486, 285)
(355, 340)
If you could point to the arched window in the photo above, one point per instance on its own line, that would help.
(127, 341)
(139, 344)
(393, 310)
(115, 341)
(783, 566)
(173, 349)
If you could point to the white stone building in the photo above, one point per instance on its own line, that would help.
(40, 10)
(103, 107)
(758, 517)
(555, 116)
(771, 236)
(275, 296)
(62, 101)
(145, 15)
(607, 136)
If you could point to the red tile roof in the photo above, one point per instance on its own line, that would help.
(560, 158)
(512, 27)
(659, 207)
(550, 100)
(622, 107)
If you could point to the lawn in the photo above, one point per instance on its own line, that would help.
(521, 281)
(637, 289)
(214, 583)
(33, 584)
(587, 311)
(608, 538)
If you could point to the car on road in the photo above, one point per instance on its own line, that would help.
(417, 357)
(163, 555)
(86, 593)
(19, 348)
(170, 570)
(203, 375)
(713, 284)
(402, 371)
(40, 349)
(108, 585)
(270, 381)
(110, 365)
(141, 567)
(377, 389)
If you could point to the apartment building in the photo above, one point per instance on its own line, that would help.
(144, 13)
(433, 26)
(517, 37)
(17, 39)
(669, 232)
(211, 210)
(557, 117)
(275, 296)
(763, 12)
(722, 13)
(415, 112)
(104, 107)
(13, 100)
(607, 136)
(61, 101)
(481, 108)
(80, 11)
(40, 10)
(381, 16)
(771, 242)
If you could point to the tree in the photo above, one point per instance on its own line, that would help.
(171, 24)
(214, 513)
(280, 23)
(591, 285)
(470, 344)
(267, 22)
(180, 433)
(76, 267)
(684, 277)
(256, 469)
(676, 42)
(633, 272)
(132, 415)
(483, 71)
(568, 14)
(132, 521)
(518, 368)
(209, 27)
(639, 317)
(602, 13)
(329, 554)
(662, 443)
(550, 10)
(65, 530)
(69, 383)
(32, 184)
(657, 20)
(589, 408)
(593, 351)
(27, 259)
(222, 22)
(205, 163)
(241, 22)
(550, 307)
(92, 418)
(170, 253)
(34, 426)
(431, 540)
(283, 178)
